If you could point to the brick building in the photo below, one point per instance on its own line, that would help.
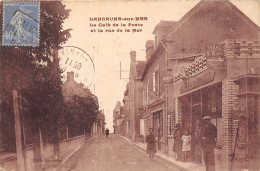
(201, 65)
(211, 85)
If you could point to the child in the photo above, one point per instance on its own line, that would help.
(186, 145)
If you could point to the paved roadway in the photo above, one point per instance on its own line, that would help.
(112, 154)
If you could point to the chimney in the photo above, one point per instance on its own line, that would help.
(149, 46)
(70, 76)
(133, 56)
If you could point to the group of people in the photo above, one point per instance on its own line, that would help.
(201, 141)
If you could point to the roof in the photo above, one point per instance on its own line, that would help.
(149, 43)
(140, 66)
(208, 3)
(174, 26)
(164, 24)
(151, 59)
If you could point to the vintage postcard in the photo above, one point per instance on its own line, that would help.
(130, 85)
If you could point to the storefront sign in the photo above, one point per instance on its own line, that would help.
(214, 51)
(200, 79)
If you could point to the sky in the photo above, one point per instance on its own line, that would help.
(109, 49)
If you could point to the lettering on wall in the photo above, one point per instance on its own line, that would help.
(193, 82)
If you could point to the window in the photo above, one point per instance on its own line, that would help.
(157, 77)
(156, 83)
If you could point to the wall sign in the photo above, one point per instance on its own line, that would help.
(200, 79)
(214, 51)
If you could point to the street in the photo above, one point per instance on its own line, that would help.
(112, 154)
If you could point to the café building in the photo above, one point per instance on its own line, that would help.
(223, 83)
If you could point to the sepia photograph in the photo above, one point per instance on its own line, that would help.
(130, 85)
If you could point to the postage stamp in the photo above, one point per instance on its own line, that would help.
(21, 24)
(77, 64)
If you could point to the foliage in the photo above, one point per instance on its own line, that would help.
(43, 91)
(46, 104)
(82, 111)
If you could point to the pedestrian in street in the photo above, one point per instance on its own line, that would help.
(107, 132)
(209, 134)
(177, 146)
(186, 145)
(150, 140)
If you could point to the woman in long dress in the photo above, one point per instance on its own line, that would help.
(150, 139)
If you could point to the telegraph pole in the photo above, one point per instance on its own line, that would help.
(18, 134)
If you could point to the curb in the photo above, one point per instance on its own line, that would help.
(156, 155)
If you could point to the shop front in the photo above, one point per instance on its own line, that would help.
(203, 102)
(156, 119)
(198, 94)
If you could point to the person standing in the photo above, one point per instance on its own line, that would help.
(150, 140)
(209, 134)
(177, 146)
(186, 145)
(107, 132)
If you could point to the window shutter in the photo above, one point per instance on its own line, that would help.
(158, 83)
(154, 82)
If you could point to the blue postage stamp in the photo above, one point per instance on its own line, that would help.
(21, 24)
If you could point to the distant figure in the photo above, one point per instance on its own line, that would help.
(209, 134)
(186, 145)
(177, 141)
(150, 139)
(107, 132)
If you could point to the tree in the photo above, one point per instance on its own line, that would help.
(82, 111)
(43, 88)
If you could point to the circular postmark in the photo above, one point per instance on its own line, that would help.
(78, 70)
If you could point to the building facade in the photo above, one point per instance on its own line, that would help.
(118, 115)
(132, 124)
(213, 86)
(203, 65)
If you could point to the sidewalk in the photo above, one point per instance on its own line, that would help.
(65, 157)
(188, 166)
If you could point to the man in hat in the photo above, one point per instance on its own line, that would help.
(209, 134)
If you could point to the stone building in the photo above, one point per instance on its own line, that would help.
(135, 99)
(70, 88)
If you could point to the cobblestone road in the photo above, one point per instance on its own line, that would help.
(112, 154)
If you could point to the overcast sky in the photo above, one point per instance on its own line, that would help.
(109, 49)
